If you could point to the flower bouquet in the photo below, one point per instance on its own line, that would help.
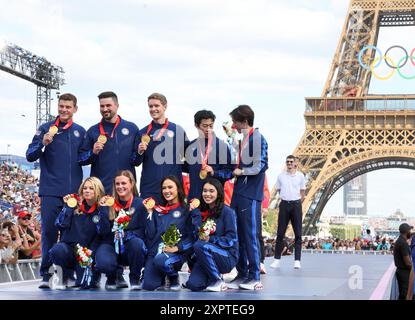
(120, 223)
(208, 228)
(84, 258)
(170, 238)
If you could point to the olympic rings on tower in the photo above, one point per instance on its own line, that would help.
(388, 60)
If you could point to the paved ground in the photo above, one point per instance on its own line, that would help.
(323, 277)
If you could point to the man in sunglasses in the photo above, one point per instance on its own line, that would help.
(291, 188)
(31, 239)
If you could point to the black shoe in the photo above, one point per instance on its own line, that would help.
(96, 281)
(44, 284)
(110, 285)
(120, 282)
(174, 283)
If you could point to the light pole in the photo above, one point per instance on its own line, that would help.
(8, 155)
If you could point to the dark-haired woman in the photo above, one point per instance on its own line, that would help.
(163, 260)
(216, 250)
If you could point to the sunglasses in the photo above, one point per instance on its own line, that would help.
(25, 218)
(289, 161)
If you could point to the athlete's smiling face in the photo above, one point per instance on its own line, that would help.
(108, 108)
(169, 191)
(123, 187)
(209, 194)
(66, 109)
(156, 109)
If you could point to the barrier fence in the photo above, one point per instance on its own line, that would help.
(358, 252)
(21, 271)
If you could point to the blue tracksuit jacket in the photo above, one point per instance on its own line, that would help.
(159, 223)
(219, 159)
(254, 162)
(117, 153)
(89, 230)
(60, 172)
(162, 158)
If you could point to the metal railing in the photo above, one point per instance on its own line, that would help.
(21, 271)
(361, 104)
(358, 252)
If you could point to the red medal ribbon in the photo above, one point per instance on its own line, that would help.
(150, 126)
(101, 127)
(66, 126)
(205, 157)
(244, 143)
(166, 209)
(205, 215)
(83, 210)
(76, 196)
(118, 206)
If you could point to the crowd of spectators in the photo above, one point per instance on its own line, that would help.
(20, 229)
(357, 244)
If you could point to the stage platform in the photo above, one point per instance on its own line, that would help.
(322, 277)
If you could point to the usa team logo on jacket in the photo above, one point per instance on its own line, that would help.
(76, 133)
(170, 133)
(177, 214)
(125, 131)
(95, 219)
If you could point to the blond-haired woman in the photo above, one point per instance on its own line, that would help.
(79, 222)
(128, 246)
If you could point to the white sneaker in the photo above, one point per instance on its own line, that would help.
(251, 285)
(275, 264)
(234, 284)
(297, 264)
(218, 286)
(61, 286)
(262, 269)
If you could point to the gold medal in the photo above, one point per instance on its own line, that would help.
(102, 139)
(203, 174)
(145, 138)
(149, 203)
(72, 202)
(53, 130)
(195, 202)
(110, 202)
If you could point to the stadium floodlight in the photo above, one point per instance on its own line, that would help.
(36, 69)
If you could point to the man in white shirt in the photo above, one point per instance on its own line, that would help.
(291, 188)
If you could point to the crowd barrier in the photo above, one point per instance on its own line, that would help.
(21, 271)
(359, 252)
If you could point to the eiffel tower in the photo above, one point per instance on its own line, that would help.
(349, 132)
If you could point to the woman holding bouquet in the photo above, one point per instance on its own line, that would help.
(216, 250)
(168, 236)
(127, 215)
(79, 222)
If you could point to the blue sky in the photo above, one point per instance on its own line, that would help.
(213, 54)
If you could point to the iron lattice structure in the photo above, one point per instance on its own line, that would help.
(348, 136)
(36, 69)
